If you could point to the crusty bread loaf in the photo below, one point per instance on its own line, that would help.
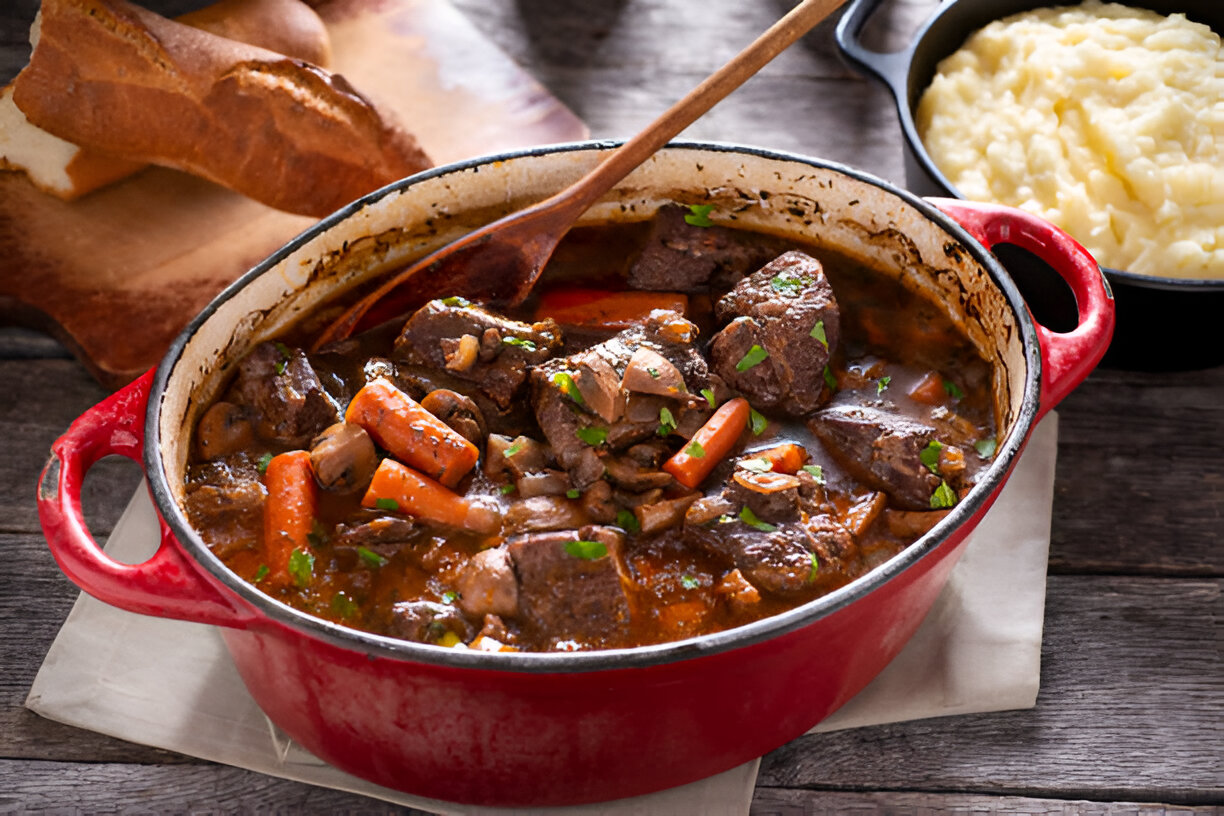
(116, 78)
(70, 171)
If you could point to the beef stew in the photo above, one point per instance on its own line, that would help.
(634, 456)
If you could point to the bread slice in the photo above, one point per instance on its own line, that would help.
(117, 79)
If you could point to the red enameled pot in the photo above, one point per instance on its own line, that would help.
(551, 729)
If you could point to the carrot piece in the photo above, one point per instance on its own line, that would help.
(929, 390)
(713, 441)
(403, 489)
(289, 513)
(411, 433)
(787, 457)
(617, 309)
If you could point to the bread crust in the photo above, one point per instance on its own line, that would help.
(118, 79)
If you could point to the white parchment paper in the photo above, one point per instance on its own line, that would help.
(171, 684)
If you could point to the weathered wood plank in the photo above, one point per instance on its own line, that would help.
(1131, 702)
(783, 802)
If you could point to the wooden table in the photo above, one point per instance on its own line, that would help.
(1130, 718)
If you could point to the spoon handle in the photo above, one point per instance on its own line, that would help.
(801, 19)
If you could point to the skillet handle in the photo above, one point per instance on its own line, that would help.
(1066, 358)
(889, 68)
(166, 585)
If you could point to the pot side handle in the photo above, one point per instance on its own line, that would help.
(1066, 358)
(166, 585)
(889, 68)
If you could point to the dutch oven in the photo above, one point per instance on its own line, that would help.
(1163, 323)
(564, 728)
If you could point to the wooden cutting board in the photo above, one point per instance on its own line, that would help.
(116, 275)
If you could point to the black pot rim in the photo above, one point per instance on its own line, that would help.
(612, 659)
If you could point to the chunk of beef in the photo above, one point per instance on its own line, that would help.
(290, 403)
(566, 595)
(681, 257)
(881, 450)
(383, 535)
(772, 497)
(428, 622)
(487, 584)
(226, 498)
(496, 356)
(772, 350)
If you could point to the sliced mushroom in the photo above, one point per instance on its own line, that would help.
(663, 514)
(487, 584)
(457, 411)
(343, 457)
(543, 483)
(649, 372)
(600, 387)
(223, 430)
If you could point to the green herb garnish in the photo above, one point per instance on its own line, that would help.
(343, 605)
(371, 558)
(930, 455)
(750, 518)
(694, 449)
(280, 366)
(815, 567)
(755, 356)
(757, 421)
(986, 447)
(573, 493)
(262, 463)
(450, 596)
(260, 573)
(386, 504)
(817, 473)
(455, 300)
(689, 582)
(818, 332)
(506, 489)
(301, 566)
(284, 350)
(667, 422)
(829, 379)
(699, 215)
(513, 449)
(627, 521)
(952, 390)
(592, 435)
(586, 550)
(788, 283)
(881, 384)
(565, 381)
(756, 464)
(708, 393)
(943, 497)
(653, 372)
(524, 344)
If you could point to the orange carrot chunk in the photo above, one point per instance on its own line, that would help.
(929, 390)
(289, 516)
(617, 309)
(410, 433)
(404, 490)
(712, 442)
(787, 457)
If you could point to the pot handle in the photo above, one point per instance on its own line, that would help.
(166, 585)
(889, 68)
(1066, 358)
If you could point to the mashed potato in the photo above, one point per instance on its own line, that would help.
(1105, 120)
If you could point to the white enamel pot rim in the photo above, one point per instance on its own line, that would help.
(772, 627)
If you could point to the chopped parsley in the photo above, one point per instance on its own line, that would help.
(986, 447)
(755, 356)
(506, 489)
(815, 567)
(829, 379)
(694, 449)
(523, 343)
(818, 332)
(689, 582)
(756, 464)
(667, 422)
(943, 497)
(930, 455)
(881, 384)
(370, 558)
(513, 449)
(653, 372)
(386, 503)
(573, 493)
(301, 566)
(343, 605)
(699, 215)
(953, 390)
(592, 435)
(757, 421)
(817, 473)
(750, 518)
(586, 550)
(627, 521)
(285, 354)
(280, 366)
(565, 381)
(708, 393)
(450, 596)
(260, 573)
(262, 463)
(455, 300)
(789, 283)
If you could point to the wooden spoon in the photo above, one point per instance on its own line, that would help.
(502, 260)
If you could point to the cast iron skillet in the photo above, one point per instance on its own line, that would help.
(1163, 323)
